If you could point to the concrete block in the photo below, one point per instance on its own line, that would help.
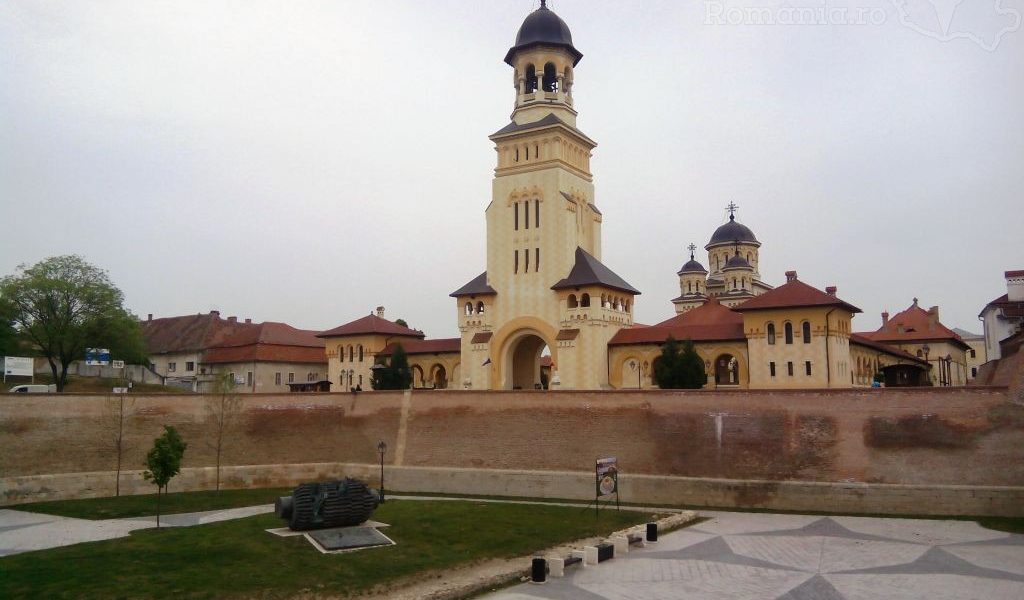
(621, 545)
(556, 566)
(590, 555)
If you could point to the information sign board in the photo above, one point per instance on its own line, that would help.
(97, 357)
(17, 366)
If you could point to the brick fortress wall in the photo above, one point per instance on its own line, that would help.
(970, 437)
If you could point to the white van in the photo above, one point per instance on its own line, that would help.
(33, 389)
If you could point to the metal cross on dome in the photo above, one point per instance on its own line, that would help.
(692, 248)
(732, 209)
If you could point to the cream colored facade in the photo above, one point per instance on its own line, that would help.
(261, 377)
(789, 358)
(541, 215)
(349, 359)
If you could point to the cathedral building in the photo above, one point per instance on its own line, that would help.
(547, 313)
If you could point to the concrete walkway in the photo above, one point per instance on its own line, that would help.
(24, 531)
(747, 556)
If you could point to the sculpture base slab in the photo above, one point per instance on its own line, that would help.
(347, 539)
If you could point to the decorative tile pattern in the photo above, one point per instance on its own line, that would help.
(742, 556)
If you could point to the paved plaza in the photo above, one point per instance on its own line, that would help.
(746, 556)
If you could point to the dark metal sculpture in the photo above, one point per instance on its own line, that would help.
(327, 504)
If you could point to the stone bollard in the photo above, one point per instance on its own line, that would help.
(539, 571)
(556, 566)
(589, 555)
(582, 556)
(652, 533)
(621, 544)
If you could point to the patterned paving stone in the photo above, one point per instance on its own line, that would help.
(1002, 558)
(806, 558)
(840, 554)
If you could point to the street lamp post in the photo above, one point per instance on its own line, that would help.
(926, 349)
(382, 448)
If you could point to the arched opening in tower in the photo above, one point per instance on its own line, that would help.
(525, 363)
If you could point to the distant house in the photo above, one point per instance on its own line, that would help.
(352, 348)
(1004, 316)
(191, 351)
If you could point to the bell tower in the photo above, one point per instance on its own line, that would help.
(545, 286)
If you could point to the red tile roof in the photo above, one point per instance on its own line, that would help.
(792, 294)
(268, 342)
(709, 322)
(914, 324)
(371, 324)
(190, 333)
(860, 339)
(439, 346)
(1010, 308)
(1013, 274)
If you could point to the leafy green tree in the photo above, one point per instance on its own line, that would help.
(394, 374)
(401, 322)
(9, 343)
(164, 462)
(63, 305)
(679, 367)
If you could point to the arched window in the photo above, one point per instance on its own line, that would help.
(550, 78)
(469, 308)
(585, 301)
(572, 302)
(351, 353)
(360, 353)
(341, 353)
(789, 333)
(744, 283)
(536, 213)
(479, 308)
(919, 353)
(807, 332)
(531, 79)
(689, 287)
(771, 334)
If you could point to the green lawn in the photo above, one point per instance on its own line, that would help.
(140, 506)
(239, 559)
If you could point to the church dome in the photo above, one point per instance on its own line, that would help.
(543, 27)
(737, 262)
(733, 232)
(692, 266)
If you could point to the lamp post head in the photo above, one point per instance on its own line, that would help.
(382, 447)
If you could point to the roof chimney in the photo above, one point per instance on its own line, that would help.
(232, 319)
(149, 317)
(790, 276)
(1015, 286)
(885, 318)
(831, 290)
(933, 317)
(380, 311)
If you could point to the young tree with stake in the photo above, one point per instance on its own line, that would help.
(164, 462)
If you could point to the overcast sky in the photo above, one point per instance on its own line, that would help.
(307, 161)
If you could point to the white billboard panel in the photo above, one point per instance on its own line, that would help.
(18, 366)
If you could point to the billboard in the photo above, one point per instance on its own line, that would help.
(17, 366)
(97, 357)
(607, 476)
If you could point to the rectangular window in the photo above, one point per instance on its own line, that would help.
(516, 206)
(526, 214)
(789, 368)
(807, 365)
(291, 378)
(974, 372)
(536, 213)
(771, 368)
(172, 367)
(515, 266)
(277, 379)
(190, 366)
(527, 266)
(248, 378)
(536, 266)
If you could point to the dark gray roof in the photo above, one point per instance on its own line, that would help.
(589, 271)
(543, 27)
(737, 262)
(477, 287)
(592, 206)
(692, 266)
(733, 232)
(547, 121)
